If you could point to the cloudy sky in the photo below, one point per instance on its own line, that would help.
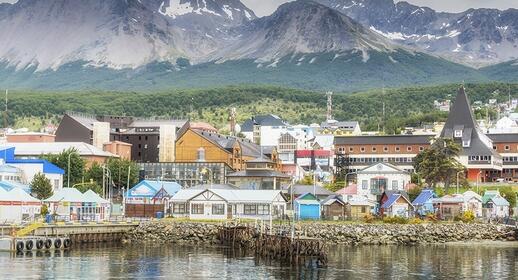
(266, 7)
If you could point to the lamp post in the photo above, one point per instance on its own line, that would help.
(478, 178)
(68, 172)
(462, 171)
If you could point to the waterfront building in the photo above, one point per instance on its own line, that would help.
(147, 198)
(340, 128)
(385, 197)
(358, 207)
(449, 206)
(397, 205)
(372, 181)
(187, 174)
(473, 202)
(222, 204)
(494, 205)
(423, 203)
(69, 204)
(16, 206)
(333, 208)
(307, 207)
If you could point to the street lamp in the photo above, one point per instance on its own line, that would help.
(68, 172)
(478, 178)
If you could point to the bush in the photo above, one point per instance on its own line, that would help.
(369, 218)
(466, 217)
(44, 210)
(415, 221)
(395, 220)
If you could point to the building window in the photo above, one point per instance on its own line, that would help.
(374, 149)
(365, 184)
(250, 209)
(218, 209)
(398, 149)
(178, 208)
(363, 209)
(466, 143)
(421, 149)
(362, 149)
(385, 149)
(458, 133)
(263, 209)
(200, 154)
(409, 148)
(507, 147)
(394, 185)
(351, 149)
(197, 209)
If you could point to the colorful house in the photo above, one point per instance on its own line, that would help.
(358, 207)
(70, 204)
(147, 198)
(307, 207)
(423, 203)
(494, 205)
(449, 206)
(473, 203)
(348, 192)
(397, 205)
(333, 208)
(385, 197)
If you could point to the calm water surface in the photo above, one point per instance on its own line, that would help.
(453, 261)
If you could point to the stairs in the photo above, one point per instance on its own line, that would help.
(28, 229)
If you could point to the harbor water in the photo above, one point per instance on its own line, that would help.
(492, 260)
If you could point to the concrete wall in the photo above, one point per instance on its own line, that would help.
(167, 143)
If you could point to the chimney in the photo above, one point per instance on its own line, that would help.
(167, 144)
(101, 134)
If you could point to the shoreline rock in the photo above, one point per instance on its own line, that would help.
(348, 234)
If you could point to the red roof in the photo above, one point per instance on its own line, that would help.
(310, 153)
(350, 190)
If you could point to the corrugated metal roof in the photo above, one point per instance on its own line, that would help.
(504, 138)
(17, 194)
(500, 201)
(423, 197)
(68, 195)
(91, 195)
(38, 149)
(391, 200)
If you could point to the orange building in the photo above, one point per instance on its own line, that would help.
(122, 149)
(201, 146)
(30, 137)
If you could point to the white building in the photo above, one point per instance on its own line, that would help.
(16, 206)
(472, 202)
(377, 178)
(220, 204)
(504, 125)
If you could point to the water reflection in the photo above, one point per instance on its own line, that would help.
(465, 261)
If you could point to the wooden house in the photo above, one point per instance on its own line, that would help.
(333, 208)
(358, 207)
(397, 205)
(307, 207)
(449, 206)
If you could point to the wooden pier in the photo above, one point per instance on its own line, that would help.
(280, 246)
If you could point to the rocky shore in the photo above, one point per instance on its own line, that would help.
(333, 233)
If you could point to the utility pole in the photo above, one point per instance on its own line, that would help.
(329, 115)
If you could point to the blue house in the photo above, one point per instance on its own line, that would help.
(307, 207)
(145, 191)
(423, 204)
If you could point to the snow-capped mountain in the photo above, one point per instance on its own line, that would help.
(114, 33)
(302, 27)
(475, 37)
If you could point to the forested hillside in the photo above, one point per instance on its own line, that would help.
(404, 107)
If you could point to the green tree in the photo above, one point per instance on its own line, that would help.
(41, 186)
(119, 172)
(509, 194)
(77, 165)
(83, 187)
(438, 163)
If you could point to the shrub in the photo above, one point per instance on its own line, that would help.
(369, 218)
(432, 217)
(467, 216)
(395, 220)
(44, 210)
(415, 221)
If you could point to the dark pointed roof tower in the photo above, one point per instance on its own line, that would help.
(463, 128)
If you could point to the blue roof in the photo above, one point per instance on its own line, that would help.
(423, 197)
(8, 156)
(149, 188)
(391, 200)
(500, 201)
(6, 185)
